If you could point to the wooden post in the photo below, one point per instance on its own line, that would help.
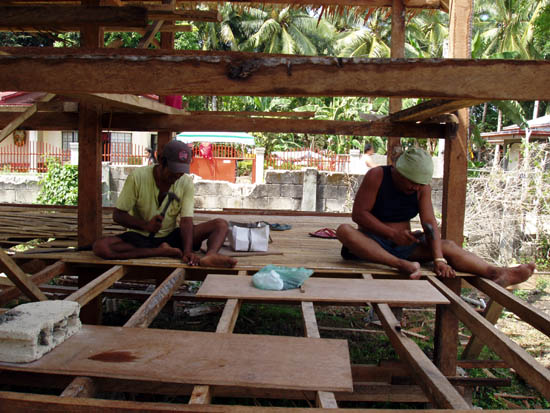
(90, 217)
(397, 51)
(454, 189)
(166, 42)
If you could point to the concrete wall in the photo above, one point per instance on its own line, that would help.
(306, 190)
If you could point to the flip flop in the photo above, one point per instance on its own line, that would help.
(324, 233)
(280, 227)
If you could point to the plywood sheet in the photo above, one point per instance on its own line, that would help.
(200, 358)
(393, 292)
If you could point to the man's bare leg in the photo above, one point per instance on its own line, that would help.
(465, 261)
(369, 250)
(214, 232)
(113, 248)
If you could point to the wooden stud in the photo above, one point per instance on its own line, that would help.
(20, 279)
(85, 294)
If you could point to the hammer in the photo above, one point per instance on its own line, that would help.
(171, 197)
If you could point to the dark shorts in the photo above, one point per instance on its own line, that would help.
(400, 251)
(142, 241)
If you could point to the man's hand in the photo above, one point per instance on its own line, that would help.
(404, 237)
(444, 270)
(191, 258)
(154, 225)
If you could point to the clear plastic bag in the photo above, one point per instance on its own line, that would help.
(273, 277)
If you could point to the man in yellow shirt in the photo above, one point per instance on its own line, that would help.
(139, 208)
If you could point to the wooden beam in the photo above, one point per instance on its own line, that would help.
(246, 74)
(430, 109)
(147, 122)
(491, 313)
(19, 278)
(31, 110)
(394, 148)
(94, 288)
(323, 399)
(47, 17)
(313, 126)
(527, 312)
(41, 277)
(420, 4)
(525, 365)
(433, 382)
(145, 315)
(132, 103)
(301, 114)
(64, 28)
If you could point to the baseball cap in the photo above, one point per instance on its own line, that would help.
(178, 155)
(416, 165)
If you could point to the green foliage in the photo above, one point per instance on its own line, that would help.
(59, 185)
(244, 168)
(542, 284)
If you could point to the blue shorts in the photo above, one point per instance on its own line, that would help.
(141, 241)
(399, 251)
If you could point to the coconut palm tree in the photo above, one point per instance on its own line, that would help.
(288, 31)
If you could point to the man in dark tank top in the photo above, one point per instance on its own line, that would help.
(388, 198)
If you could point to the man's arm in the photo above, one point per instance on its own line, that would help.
(186, 231)
(129, 221)
(427, 217)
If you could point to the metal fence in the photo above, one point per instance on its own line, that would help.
(323, 160)
(33, 157)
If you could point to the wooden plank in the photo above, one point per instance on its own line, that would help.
(145, 315)
(98, 285)
(524, 364)
(68, 27)
(527, 312)
(433, 382)
(31, 110)
(396, 292)
(41, 277)
(199, 358)
(139, 71)
(446, 334)
(19, 278)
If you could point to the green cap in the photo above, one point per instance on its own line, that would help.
(416, 165)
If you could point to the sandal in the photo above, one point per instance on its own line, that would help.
(280, 227)
(324, 233)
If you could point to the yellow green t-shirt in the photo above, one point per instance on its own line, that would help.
(139, 197)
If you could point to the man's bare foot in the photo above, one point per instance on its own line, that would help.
(412, 268)
(217, 260)
(165, 250)
(513, 275)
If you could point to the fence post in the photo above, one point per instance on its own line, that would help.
(33, 150)
(309, 189)
(355, 166)
(74, 152)
(260, 155)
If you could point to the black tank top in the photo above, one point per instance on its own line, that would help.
(392, 205)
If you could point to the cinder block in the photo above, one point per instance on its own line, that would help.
(29, 331)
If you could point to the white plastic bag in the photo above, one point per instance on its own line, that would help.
(249, 236)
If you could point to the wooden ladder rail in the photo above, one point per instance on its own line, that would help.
(142, 318)
(433, 382)
(525, 365)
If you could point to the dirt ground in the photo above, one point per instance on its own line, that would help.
(532, 340)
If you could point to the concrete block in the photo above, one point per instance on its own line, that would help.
(290, 204)
(334, 205)
(273, 191)
(29, 331)
(284, 177)
(291, 191)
